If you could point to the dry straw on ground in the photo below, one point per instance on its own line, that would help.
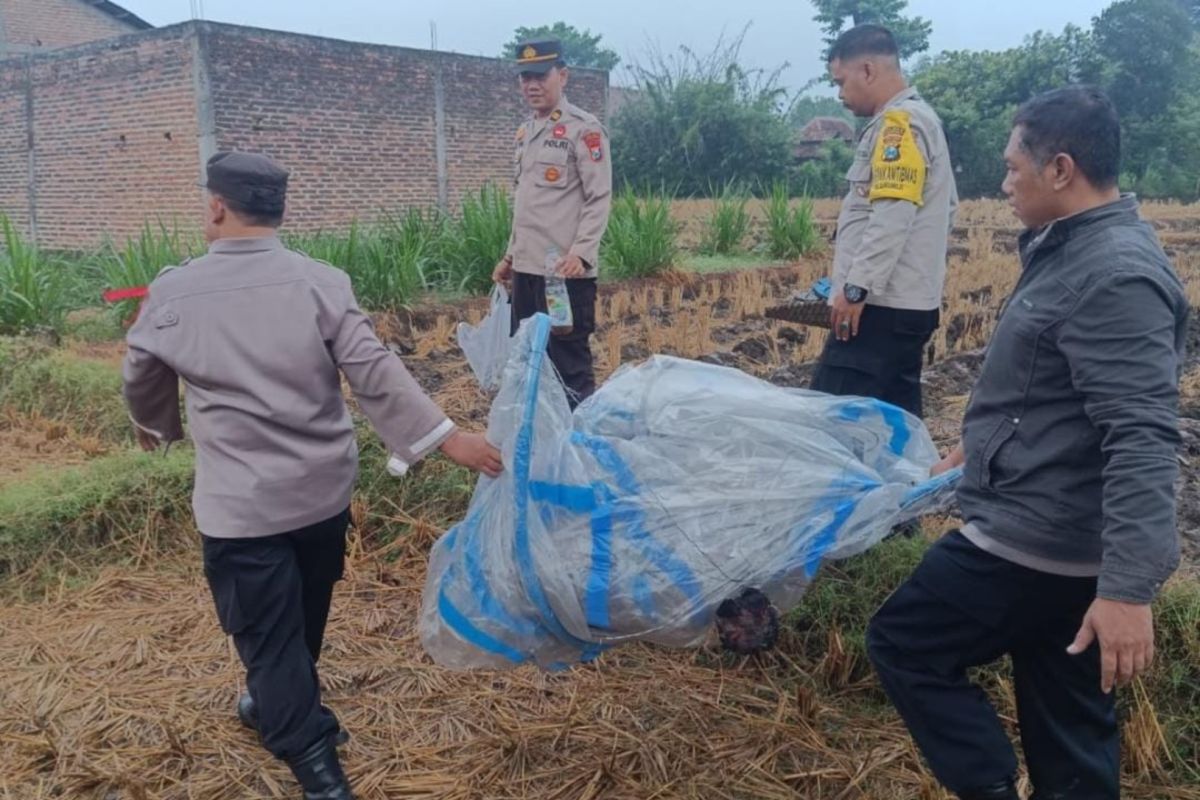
(121, 687)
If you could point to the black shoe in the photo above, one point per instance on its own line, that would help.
(1004, 790)
(320, 773)
(247, 714)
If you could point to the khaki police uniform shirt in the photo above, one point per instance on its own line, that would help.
(258, 334)
(895, 221)
(563, 180)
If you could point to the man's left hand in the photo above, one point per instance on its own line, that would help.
(1126, 635)
(571, 267)
(146, 440)
(844, 317)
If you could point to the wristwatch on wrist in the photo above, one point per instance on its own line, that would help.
(854, 294)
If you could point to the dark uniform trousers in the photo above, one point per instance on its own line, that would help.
(272, 595)
(571, 353)
(964, 607)
(883, 361)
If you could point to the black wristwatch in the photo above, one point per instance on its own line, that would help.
(854, 294)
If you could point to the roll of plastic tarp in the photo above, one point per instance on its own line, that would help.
(674, 487)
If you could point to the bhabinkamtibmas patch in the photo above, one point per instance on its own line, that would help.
(897, 168)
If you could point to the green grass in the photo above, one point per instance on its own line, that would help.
(792, 231)
(729, 222)
(84, 394)
(33, 284)
(142, 258)
(53, 519)
(641, 238)
(475, 241)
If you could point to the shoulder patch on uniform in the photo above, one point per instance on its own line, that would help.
(897, 166)
(520, 133)
(595, 145)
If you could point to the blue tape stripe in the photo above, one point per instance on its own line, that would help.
(635, 519)
(488, 605)
(608, 458)
(853, 411)
(923, 490)
(600, 575)
(826, 537)
(576, 499)
(463, 627)
(522, 464)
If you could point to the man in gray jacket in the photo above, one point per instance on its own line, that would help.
(259, 335)
(1069, 447)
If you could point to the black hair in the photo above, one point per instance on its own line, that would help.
(1080, 121)
(270, 216)
(864, 40)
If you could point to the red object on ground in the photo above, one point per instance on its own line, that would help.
(132, 293)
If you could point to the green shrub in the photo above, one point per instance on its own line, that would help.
(729, 222)
(139, 261)
(33, 285)
(476, 240)
(641, 237)
(792, 230)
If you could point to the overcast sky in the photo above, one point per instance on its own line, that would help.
(780, 30)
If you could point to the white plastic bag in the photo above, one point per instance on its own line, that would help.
(486, 345)
(676, 486)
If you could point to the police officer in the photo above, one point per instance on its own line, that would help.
(258, 334)
(563, 193)
(890, 257)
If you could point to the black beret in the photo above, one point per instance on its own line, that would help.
(250, 181)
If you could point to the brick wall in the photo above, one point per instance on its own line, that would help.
(14, 157)
(356, 124)
(50, 24)
(121, 127)
(115, 137)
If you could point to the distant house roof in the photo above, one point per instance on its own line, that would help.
(118, 13)
(819, 131)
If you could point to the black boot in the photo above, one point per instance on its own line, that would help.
(1004, 790)
(247, 713)
(320, 773)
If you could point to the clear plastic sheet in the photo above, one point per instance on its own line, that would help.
(486, 344)
(676, 486)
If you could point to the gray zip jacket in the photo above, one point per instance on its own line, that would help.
(258, 334)
(1072, 429)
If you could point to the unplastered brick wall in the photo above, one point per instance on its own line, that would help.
(114, 138)
(14, 154)
(358, 125)
(50, 24)
(120, 129)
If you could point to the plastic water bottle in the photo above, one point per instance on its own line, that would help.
(558, 302)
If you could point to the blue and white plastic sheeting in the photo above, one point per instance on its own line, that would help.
(675, 486)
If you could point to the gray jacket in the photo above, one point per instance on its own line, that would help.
(1072, 429)
(258, 334)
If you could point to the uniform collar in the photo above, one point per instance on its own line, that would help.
(249, 244)
(907, 94)
(562, 109)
